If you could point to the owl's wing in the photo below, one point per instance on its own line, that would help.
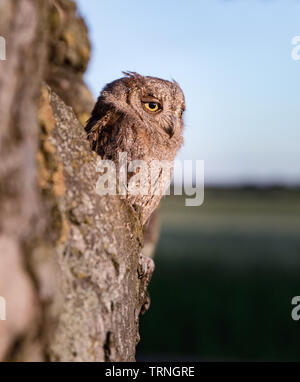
(99, 127)
(95, 129)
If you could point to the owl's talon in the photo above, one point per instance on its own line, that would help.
(146, 267)
(145, 270)
(146, 304)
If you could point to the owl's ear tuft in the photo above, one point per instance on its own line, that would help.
(133, 80)
(132, 74)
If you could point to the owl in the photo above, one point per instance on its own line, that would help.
(141, 116)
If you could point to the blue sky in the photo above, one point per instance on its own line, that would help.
(233, 60)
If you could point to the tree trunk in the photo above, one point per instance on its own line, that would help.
(69, 258)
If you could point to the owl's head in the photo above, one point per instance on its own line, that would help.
(147, 103)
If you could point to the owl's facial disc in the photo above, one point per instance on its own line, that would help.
(152, 106)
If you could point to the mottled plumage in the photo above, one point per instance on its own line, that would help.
(141, 116)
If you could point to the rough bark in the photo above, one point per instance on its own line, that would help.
(21, 211)
(69, 258)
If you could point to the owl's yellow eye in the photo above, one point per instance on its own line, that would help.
(152, 106)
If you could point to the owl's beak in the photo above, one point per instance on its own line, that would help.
(171, 128)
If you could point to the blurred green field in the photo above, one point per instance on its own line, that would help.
(225, 276)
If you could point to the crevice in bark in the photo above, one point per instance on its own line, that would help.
(107, 347)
